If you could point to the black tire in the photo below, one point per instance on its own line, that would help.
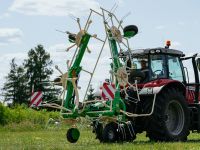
(131, 28)
(98, 130)
(70, 135)
(126, 133)
(170, 120)
(72, 38)
(110, 133)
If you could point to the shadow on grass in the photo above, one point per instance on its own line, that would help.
(193, 141)
(153, 142)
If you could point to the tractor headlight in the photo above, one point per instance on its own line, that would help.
(158, 51)
(152, 52)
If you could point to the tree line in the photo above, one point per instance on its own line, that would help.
(34, 72)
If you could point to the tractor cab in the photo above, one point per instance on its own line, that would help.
(157, 63)
(153, 64)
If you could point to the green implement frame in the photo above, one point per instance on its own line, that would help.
(112, 108)
(97, 110)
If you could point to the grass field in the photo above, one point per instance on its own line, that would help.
(55, 139)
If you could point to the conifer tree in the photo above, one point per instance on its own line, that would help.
(38, 71)
(15, 87)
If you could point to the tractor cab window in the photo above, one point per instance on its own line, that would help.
(158, 67)
(139, 69)
(139, 63)
(175, 71)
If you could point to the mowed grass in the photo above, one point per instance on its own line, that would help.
(55, 139)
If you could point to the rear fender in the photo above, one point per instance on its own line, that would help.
(155, 87)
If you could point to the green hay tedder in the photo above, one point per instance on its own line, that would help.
(158, 99)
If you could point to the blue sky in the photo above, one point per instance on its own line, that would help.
(26, 23)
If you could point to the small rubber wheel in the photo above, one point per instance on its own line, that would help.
(72, 38)
(131, 28)
(110, 133)
(73, 135)
(98, 129)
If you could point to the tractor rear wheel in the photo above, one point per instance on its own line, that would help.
(170, 120)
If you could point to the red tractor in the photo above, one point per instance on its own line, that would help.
(175, 110)
(168, 107)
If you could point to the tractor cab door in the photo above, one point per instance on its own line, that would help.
(198, 64)
(174, 68)
(191, 70)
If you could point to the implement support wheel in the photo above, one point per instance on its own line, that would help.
(73, 135)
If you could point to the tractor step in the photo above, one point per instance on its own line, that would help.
(195, 117)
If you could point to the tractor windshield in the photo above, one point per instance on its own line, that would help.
(146, 68)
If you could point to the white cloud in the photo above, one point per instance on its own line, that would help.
(53, 8)
(5, 15)
(57, 47)
(5, 60)
(175, 44)
(10, 35)
(160, 27)
(181, 23)
(120, 1)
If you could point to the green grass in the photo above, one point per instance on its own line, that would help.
(24, 128)
(55, 139)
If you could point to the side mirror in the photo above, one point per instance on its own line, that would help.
(130, 31)
(198, 63)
